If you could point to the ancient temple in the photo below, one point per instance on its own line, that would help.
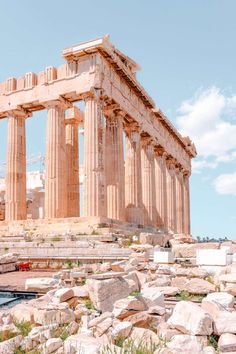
(136, 164)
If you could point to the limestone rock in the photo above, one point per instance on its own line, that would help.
(143, 336)
(189, 250)
(153, 239)
(208, 350)
(40, 284)
(199, 286)
(23, 312)
(9, 346)
(122, 329)
(224, 299)
(152, 297)
(52, 345)
(104, 293)
(189, 318)
(185, 344)
(168, 290)
(53, 314)
(82, 343)
(128, 306)
(144, 320)
(224, 321)
(80, 291)
(95, 321)
(64, 294)
(103, 326)
(227, 343)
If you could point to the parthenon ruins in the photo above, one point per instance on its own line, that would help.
(136, 164)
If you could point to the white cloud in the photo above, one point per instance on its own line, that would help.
(208, 119)
(199, 165)
(226, 184)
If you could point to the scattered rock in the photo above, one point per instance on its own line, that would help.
(190, 318)
(227, 343)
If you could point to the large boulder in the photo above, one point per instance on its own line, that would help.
(199, 286)
(222, 298)
(105, 292)
(189, 250)
(9, 346)
(59, 314)
(23, 313)
(82, 343)
(153, 297)
(128, 306)
(52, 345)
(153, 239)
(227, 343)
(121, 330)
(185, 344)
(224, 321)
(193, 285)
(189, 318)
(41, 284)
(64, 294)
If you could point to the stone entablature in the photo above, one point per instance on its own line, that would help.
(105, 79)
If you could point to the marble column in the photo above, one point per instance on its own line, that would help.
(94, 159)
(171, 196)
(179, 201)
(115, 183)
(161, 188)
(55, 177)
(186, 204)
(72, 160)
(133, 178)
(148, 183)
(16, 169)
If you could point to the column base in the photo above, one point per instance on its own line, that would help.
(134, 215)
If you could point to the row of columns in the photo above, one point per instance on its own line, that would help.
(148, 189)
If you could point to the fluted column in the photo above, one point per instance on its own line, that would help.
(56, 177)
(171, 196)
(72, 160)
(161, 188)
(148, 183)
(16, 168)
(94, 162)
(186, 204)
(133, 178)
(115, 166)
(179, 201)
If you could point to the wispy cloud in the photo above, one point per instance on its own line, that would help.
(209, 119)
(226, 184)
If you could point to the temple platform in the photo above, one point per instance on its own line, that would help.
(71, 226)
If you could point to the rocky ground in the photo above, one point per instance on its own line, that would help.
(131, 306)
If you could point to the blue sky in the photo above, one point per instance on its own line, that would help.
(187, 52)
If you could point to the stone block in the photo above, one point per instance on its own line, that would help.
(163, 257)
(40, 284)
(227, 343)
(213, 257)
(105, 292)
(189, 318)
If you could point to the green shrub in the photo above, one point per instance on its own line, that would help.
(23, 327)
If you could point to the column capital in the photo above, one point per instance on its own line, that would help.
(94, 93)
(19, 113)
(60, 102)
(132, 127)
(186, 173)
(159, 150)
(74, 116)
(171, 163)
